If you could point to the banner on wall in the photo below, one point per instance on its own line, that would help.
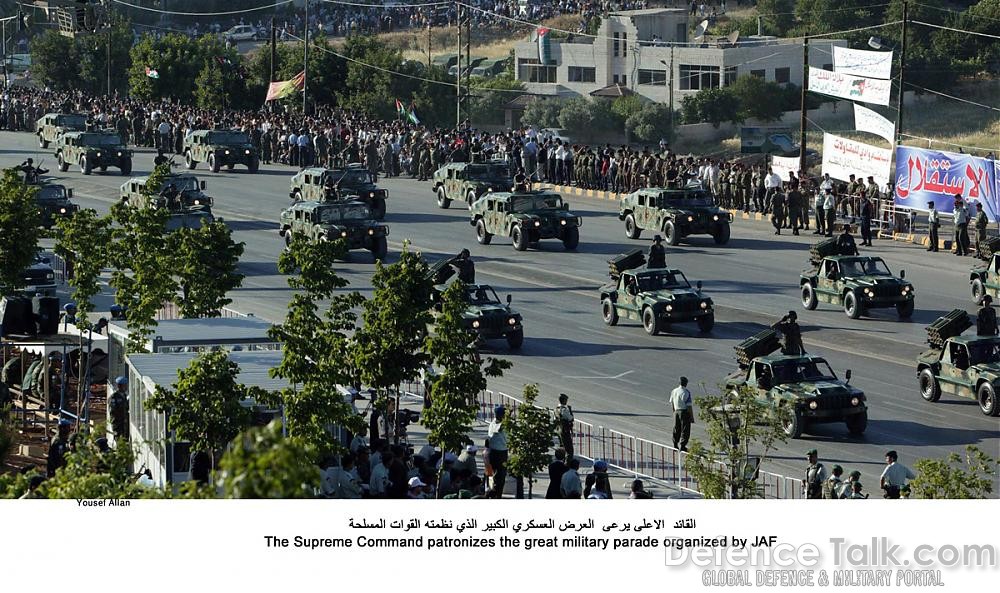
(843, 158)
(866, 120)
(924, 175)
(783, 165)
(845, 86)
(862, 62)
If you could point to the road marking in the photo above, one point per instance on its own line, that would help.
(609, 377)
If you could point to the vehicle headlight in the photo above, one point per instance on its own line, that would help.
(813, 405)
(119, 153)
(511, 321)
(906, 289)
(489, 189)
(343, 233)
(371, 231)
(669, 308)
(248, 151)
(869, 292)
(197, 202)
(50, 276)
(98, 155)
(538, 223)
(475, 324)
(227, 152)
(855, 401)
(704, 304)
(62, 211)
(563, 222)
(690, 219)
(716, 217)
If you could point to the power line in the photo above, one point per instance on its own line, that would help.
(383, 6)
(956, 12)
(932, 140)
(268, 6)
(983, 105)
(955, 30)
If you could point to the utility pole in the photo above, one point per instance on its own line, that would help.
(458, 67)
(468, 53)
(671, 94)
(902, 72)
(802, 106)
(305, 65)
(428, 47)
(274, 47)
(109, 58)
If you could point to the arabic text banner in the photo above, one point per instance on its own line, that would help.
(783, 165)
(924, 176)
(866, 120)
(862, 62)
(845, 86)
(843, 158)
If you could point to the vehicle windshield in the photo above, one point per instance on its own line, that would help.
(228, 138)
(984, 352)
(662, 280)
(101, 139)
(349, 178)
(51, 193)
(72, 121)
(864, 266)
(545, 201)
(681, 199)
(799, 371)
(335, 214)
(481, 295)
(183, 184)
(487, 172)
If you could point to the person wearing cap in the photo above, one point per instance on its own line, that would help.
(467, 460)
(789, 328)
(465, 267)
(982, 222)
(815, 476)
(446, 480)
(845, 242)
(894, 476)
(856, 491)
(118, 409)
(570, 485)
(598, 485)
(680, 400)
(933, 224)
(415, 488)
(846, 488)
(557, 468)
(833, 485)
(986, 318)
(58, 448)
(961, 218)
(496, 442)
(564, 415)
(657, 257)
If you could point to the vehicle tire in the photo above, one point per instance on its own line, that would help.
(857, 423)
(254, 165)
(213, 164)
(378, 208)
(519, 238)
(609, 312)
(126, 167)
(482, 236)
(632, 231)
(42, 143)
(852, 308)
(63, 165)
(515, 339)
(706, 323)
(978, 290)
(905, 309)
(571, 239)
(987, 398)
(297, 196)
(930, 389)
(103, 168)
(288, 238)
(442, 199)
(793, 425)
(380, 248)
(721, 236)
(189, 162)
(650, 321)
(230, 167)
(808, 297)
(670, 231)
(85, 167)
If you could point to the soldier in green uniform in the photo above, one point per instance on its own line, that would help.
(795, 201)
(657, 257)
(815, 476)
(986, 318)
(982, 221)
(777, 207)
(58, 448)
(118, 408)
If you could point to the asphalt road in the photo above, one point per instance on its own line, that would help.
(619, 377)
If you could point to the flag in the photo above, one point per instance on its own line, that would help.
(544, 48)
(152, 73)
(412, 114)
(284, 88)
(400, 110)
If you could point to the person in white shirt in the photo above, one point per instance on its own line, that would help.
(378, 486)
(933, 223)
(894, 476)
(497, 444)
(961, 218)
(830, 211)
(680, 400)
(570, 485)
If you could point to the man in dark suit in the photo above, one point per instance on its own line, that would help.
(556, 470)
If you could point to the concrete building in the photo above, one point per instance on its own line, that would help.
(644, 50)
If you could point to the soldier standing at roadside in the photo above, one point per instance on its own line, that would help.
(564, 415)
(961, 215)
(933, 223)
(777, 207)
(794, 202)
(894, 476)
(815, 476)
(680, 400)
(657, 257)
(982, 221)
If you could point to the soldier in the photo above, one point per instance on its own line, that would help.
(465, 267)
(520, 182)
(815, 476)
(961, 215)
(845, 242)
(794, 202)
(564, 415)
(986, 318)
(170, 196)
(58, 448)
(424, 170)
(118, 408)
(657, 257)
(789, 328)
(31, 172)
(982, 221)
(867, 211)
(777, 207)
(833, 485)
(680, 400)
(933, 223)
(160, 158)
(847, 488)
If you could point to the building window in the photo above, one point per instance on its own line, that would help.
(581, 74)
(730, 75)
(757, 73)
(529, 70)
(695, 78)
(653, 77)
(616, 44)
(624, 44)
(782, 75)
(828, 67)
(620, 79)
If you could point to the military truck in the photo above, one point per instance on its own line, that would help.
(39, 278)
(803, 387)
(485, 314)
(657, 297)
(353, 182)
(189, 206)
(51, 125)
(965, 366)
(54, 203)
(220, 148)
(526, 218)
(328, 221)
(675, 213)
(985, 279)
(467, 182)
(93, 150)
(856, 283)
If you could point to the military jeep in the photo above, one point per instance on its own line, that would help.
(353, 182)
(526, 218)
(191, 207)
(676, 213)
(965, 366)
(220, 148)
(857, 283)
(51, 125)
(54, 203)
(985, 279)
(657, 297)
(39, 278)
(467, 182)
(93, 150)
(803, 387)
(328, 221)
(485, 315)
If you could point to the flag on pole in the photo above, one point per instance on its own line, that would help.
(152, 73)
(412, 114)
(400, 110)
(544, 46)
(284, 88)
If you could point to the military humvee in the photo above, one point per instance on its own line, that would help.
(355, 183)
(54, 203)
(51, 125)
(485, 314)
(676, 213)
(190, 208)
(804, 387)
(526, 218)
(985, 279)
(220, 148)
(470, 181)
(966, 366)
(39, 278)
(93, 150)
(857, 283)
(657, 297)
(328, 221)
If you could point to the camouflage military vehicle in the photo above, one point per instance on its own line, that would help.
(985, 279)
(675, 213)
(220, 148)
(657, 297)
(328, 221)
(93, 150)
(804, 388)
(354, 182)
(54, 203)
(51, 125)
(526, 218)
(467, 182)
(39, 278)
(485, 314)
(190, 207)
(965, 366)
(857, 283)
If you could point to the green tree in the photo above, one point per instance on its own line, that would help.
(205, 261)
(83, 239)
(955, 477)
(210, 88)
(531, 430)
(178, 60)
(54, 61)
(627, 106)
(263, 464)
(777, 16)
(93, 53)
(712, 106)
(19, 232)
(89, 473)
(651, 123)
(372, 90)
(453, 350)
(758, 99)
(543, 113)
(491, 95)
(741, 430)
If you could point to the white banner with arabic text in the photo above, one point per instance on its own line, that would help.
(845, 86)
(843, 158)
(866, 120)
(862, 62)
(783, 165)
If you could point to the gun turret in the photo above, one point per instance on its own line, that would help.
(947, 326)
(759, 344)
(626, 261)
